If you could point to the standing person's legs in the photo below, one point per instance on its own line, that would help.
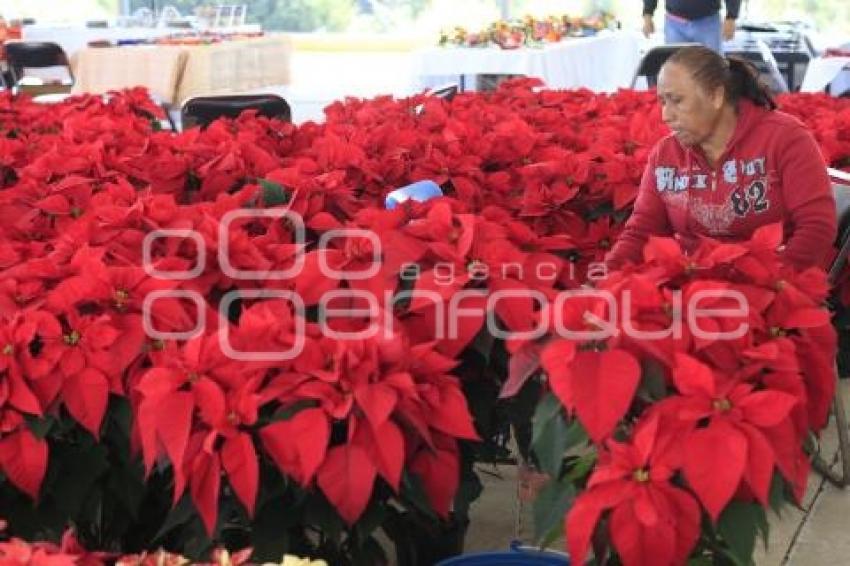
(707, 31)
(675, 30)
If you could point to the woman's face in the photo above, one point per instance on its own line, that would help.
(686, 107)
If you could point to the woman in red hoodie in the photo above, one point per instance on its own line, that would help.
(732, 163)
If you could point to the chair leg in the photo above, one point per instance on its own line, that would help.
(839, 262)
(823, 467)
(167, 109)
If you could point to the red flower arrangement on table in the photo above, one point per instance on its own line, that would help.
(528, 31)
(535, 186)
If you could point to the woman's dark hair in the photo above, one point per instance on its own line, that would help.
(711, 70)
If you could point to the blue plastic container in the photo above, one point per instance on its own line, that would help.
(518, 555)
(420, 191)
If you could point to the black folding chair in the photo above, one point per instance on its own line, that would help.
(203, 110)
(651, 63)
(841, 191)
(759, 54)
(22, 55)
(446, 92)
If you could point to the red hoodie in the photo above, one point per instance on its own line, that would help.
(771, 171)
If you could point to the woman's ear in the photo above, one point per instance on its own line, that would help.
(718, 98)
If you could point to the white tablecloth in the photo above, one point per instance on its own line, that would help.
(72, 38)
(825, 70)
(602, 63)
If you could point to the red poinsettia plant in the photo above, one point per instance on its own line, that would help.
(150, 280)
(122, 380)
(686, 389)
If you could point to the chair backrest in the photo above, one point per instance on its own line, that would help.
(446, 92)
(651, 63)
(841, 192)
(203, 110)
(35, 54)
(759, 54)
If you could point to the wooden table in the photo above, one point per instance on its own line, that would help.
(175, 73)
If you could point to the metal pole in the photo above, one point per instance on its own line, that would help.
(124, 8)
(505, 8)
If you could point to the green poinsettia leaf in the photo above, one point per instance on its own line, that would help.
(273, 193)
(739, 524)
(550, 507)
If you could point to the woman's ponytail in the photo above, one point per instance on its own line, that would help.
(744, 82)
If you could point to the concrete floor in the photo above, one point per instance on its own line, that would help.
(817, 535)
